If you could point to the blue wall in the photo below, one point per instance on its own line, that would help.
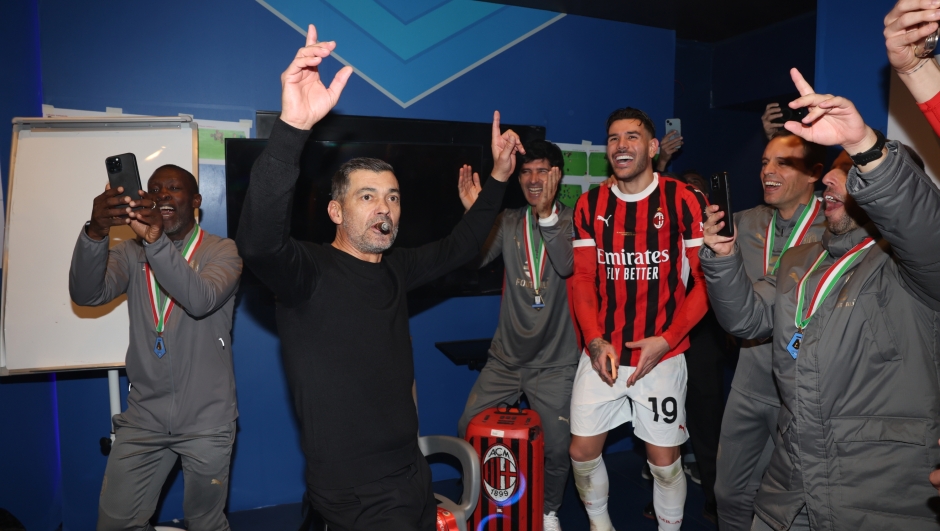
(850, 61)
(721, 92)
(222, 60)
(30, 478)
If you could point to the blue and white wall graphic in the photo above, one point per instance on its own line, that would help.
(409, 48)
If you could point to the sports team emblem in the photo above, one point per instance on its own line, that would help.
(658, 219)
(500, 475)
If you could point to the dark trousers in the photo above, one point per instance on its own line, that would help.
(704, 403)
(401, 501)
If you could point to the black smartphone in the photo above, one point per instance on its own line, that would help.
(721, 196)
(790, 115)
(122, 171)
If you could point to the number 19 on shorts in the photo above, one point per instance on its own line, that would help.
(669, 406)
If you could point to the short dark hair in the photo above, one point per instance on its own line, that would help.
(341, 177)
(184, 172)
(543, 149)
(629, 113)
(813, 153)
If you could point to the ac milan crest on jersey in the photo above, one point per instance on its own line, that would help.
(500, 475)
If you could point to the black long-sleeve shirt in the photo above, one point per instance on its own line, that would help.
(343, 322)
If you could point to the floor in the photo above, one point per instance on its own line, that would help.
(629, 494)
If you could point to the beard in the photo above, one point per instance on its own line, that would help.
(641, 163)
(366, 242)
(177, 225)
(853, 218)
(843, 225)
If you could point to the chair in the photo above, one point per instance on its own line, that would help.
(469, 461)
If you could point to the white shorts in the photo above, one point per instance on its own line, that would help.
(655, 404)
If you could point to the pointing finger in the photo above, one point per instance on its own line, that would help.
(311, 34)
(800, 82)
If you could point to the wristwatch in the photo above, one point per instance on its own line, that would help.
(873, 154)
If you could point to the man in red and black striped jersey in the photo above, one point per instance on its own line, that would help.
(636, 245)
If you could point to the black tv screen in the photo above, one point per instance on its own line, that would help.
(426, 156)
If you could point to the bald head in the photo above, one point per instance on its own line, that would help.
(173, 170)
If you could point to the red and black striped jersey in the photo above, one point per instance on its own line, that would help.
(633, 256)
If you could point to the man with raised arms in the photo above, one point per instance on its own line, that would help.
(342, 310)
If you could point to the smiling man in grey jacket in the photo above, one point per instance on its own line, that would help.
(854, 321)
(180, 283)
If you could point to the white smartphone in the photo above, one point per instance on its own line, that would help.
(673, 124)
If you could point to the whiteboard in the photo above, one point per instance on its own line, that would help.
(56, 170)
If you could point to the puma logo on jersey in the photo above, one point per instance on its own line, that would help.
(605, 220)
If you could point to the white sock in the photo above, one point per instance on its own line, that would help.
(669, 489)
(591, 479)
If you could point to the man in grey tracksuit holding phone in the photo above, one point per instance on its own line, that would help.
(792, 215)
(180, 283)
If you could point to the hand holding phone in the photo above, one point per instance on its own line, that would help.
(721, 196)
(122, 172)
(790, 115)
(673, 124)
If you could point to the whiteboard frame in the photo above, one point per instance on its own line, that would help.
(75, 124)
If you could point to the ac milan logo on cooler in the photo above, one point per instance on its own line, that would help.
(500, 475)
(659, 219)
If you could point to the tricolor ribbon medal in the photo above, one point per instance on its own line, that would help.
(162, 304)
(536, 254)
(825, 287)
(803, 223)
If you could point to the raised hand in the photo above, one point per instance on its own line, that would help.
(146, 222)
(304, 97)
(602, 356)
(468, 186)
(721, 245)
(504, 146)
(667, 148)
(546, 202)
(652, 349)
(107, 210)
(906, 27)
(771, 112)
(831, 121)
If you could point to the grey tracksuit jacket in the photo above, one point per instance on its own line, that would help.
(526, 338)
(859, 422)
(192, 387)
(753, 376)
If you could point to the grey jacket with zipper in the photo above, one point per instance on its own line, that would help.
(192, 387)
(753, 375)
(859, 422)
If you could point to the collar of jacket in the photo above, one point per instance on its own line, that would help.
(838, 245)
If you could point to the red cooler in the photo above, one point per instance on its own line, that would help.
(511, 447)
